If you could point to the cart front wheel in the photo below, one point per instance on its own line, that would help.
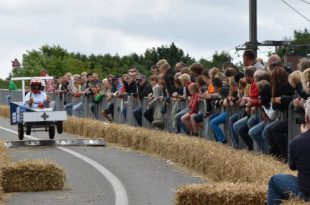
(20, 131)
(51, 132)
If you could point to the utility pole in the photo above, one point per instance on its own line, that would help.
(253, 25)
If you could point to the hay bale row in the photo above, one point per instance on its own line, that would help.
(4, 111)
(221, 193)
(32, 175)
(214, 161)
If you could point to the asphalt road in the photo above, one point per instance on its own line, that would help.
(146, 180)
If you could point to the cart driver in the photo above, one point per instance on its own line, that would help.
(36, 98)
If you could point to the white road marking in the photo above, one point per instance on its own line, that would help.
(121, 197)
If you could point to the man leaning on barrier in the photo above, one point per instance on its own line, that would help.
(281, 186)
(144, 88)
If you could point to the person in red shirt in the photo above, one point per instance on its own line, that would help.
(192, 106)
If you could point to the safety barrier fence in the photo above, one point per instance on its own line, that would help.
(163, 113)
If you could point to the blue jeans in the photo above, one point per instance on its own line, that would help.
(267, 132)
(178, 122)
(256, 134)
(215, 122)
(77, 109)
(242, 127)
(137, 113)
(280, 186)
(231, 121)
(239, 124)
(68, 107)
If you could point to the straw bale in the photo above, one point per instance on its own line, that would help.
(4, 156)
(4, 111)
(221, 193)
(4, 159)
(32, 175)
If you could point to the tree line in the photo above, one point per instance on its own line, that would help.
(59, 61)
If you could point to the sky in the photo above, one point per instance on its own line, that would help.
(199, 27)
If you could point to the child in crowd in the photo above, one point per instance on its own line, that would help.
(192, 107)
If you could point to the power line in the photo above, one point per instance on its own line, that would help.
(305, 1)
(296, 10)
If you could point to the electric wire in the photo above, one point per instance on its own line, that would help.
(296, 10)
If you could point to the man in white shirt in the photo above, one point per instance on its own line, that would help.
(249, 59)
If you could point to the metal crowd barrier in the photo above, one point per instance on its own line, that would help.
(16, 95)
(144, 104)
(4, 93)
(177, 105)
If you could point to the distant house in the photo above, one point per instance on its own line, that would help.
(15, 64)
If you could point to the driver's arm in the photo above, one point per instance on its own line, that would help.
(28, 100)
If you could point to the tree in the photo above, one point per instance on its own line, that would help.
(300, 37)
(217, 60)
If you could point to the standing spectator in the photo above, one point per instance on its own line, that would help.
(159, 106)
(96, 78)
(144, 89)
(196, 70)
(156, 92)
(89, 79)
(47, 84)
(112, 85)
(179, 66)
(129, 85)
(155, 70)
(176, 98)
(272, 59)
(11, 84)
(249, 59)
(168, 73)
(303, 64)
(227, 65)
(11, 87)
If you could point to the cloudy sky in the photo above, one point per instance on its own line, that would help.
(199, 27)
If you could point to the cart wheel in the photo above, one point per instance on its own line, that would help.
(28, 129)
(51, 132)
(20, 131)
(59, 126)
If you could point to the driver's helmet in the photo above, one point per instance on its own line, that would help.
(35, 85)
